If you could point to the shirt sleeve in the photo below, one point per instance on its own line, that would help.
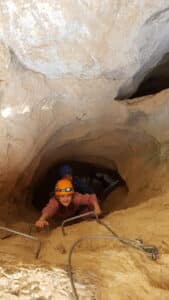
(51, 208)
(87, 199)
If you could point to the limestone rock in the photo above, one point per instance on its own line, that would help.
(62, 65)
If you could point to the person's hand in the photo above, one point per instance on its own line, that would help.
(41, 223)
(98, 211)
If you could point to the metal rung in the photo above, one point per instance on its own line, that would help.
(91, 213)
(150, 250)
(25, 236)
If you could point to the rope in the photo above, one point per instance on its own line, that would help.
(90, 237)
(138, 244)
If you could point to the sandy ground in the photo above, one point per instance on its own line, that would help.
(117, 271)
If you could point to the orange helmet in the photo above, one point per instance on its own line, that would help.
(64, 187)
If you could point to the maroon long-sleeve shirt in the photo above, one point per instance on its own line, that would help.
(53, 208)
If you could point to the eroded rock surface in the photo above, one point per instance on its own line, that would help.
(84, 38)
(62, 65)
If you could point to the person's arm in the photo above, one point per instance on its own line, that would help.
(93, 200)
(42, 221)
(89, 200)
(48, 211)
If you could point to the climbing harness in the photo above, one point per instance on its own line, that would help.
(150, 250)
(25, 236)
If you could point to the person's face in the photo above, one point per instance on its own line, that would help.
(68, 176)
(65, 200)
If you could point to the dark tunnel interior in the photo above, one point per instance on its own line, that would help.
(156, 80)
(101, 180)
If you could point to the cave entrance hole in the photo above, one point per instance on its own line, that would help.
(102, 180)
(156, 80)
(153, 81)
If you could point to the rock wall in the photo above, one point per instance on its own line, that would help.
(62, 65)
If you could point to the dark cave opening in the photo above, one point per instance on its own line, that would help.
(147, 81)
(156, 80)
(101, 180)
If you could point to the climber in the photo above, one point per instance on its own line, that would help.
(66, 203)
(79, 184)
